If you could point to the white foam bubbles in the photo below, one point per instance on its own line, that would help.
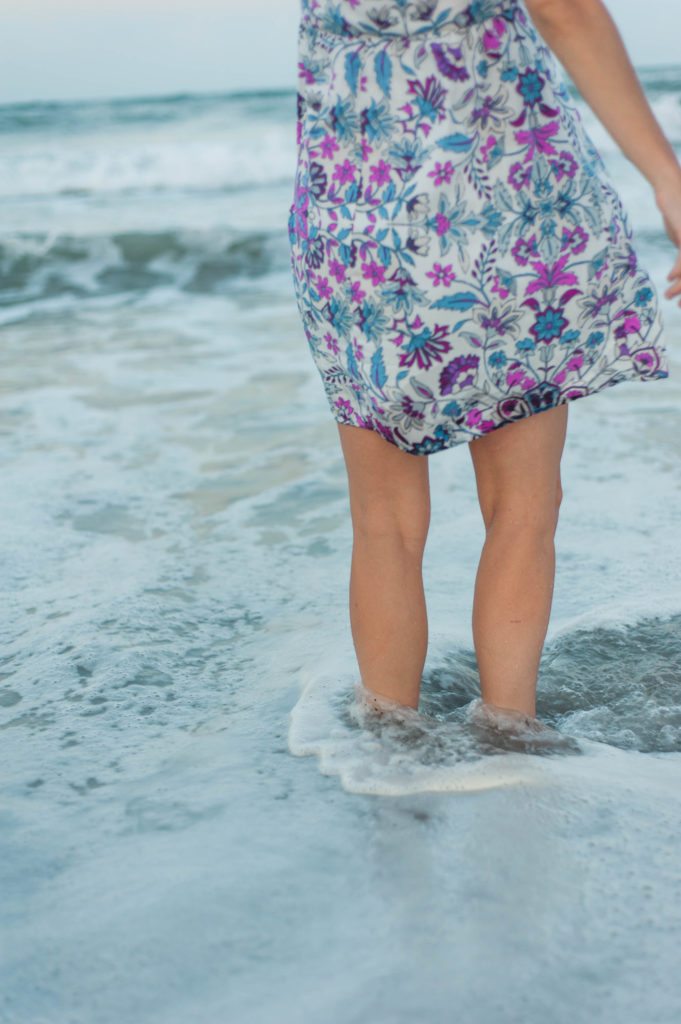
(395, 751)
(224, 143)
(107, 164)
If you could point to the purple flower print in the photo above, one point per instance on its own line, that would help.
(364, 421)
(460, 372)
(514, 376)
(575, 362)
(574, 239)
(442, 275)
(474, 419)
(318, 180)
(331, 343)
(337, 270)
(520, 176)
(426, 347)
(429, 97)
(495, 323)
(524, 249)
(374, 272)
(357, 293)
(551, 277)
(632, 261)
(499, 289)
(328, 147)
(409, 410)
(491, 39)
(345, 172)
(305, 74)
(630, 325)
(576, 391)
(538, 139)
(442, 172)
(647, 361)
(487, 147)
(564, 166)
(595, 303)
(323, 288)
(379, 174)
(487, 112)
(344, 409)
(445, 57)
(549, 324)
(314, 252)
(491, 44)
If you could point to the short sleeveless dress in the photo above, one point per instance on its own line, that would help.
(461, 258)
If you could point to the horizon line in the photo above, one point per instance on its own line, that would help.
(185, 94)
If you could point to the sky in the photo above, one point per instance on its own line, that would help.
(82, 49)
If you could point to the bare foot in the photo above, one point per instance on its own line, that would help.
(513, 730)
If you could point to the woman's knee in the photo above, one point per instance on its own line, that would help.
(381, 523)
(524, 512)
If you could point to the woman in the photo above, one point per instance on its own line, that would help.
(464, 269)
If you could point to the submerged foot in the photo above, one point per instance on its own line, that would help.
(478, 730)
(514, 731)
(372, 709)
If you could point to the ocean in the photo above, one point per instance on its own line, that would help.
(194, 824)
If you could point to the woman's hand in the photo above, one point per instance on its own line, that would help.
(669, 204)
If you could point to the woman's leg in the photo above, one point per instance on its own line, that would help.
(517, 470)
(390, 507)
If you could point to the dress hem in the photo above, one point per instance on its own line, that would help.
(453, 441)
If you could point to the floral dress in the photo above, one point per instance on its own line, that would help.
(460, 256)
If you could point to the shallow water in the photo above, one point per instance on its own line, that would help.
(175, 542)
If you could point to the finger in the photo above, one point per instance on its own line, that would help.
(674, 288)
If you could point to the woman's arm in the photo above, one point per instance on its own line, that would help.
(585, 39)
